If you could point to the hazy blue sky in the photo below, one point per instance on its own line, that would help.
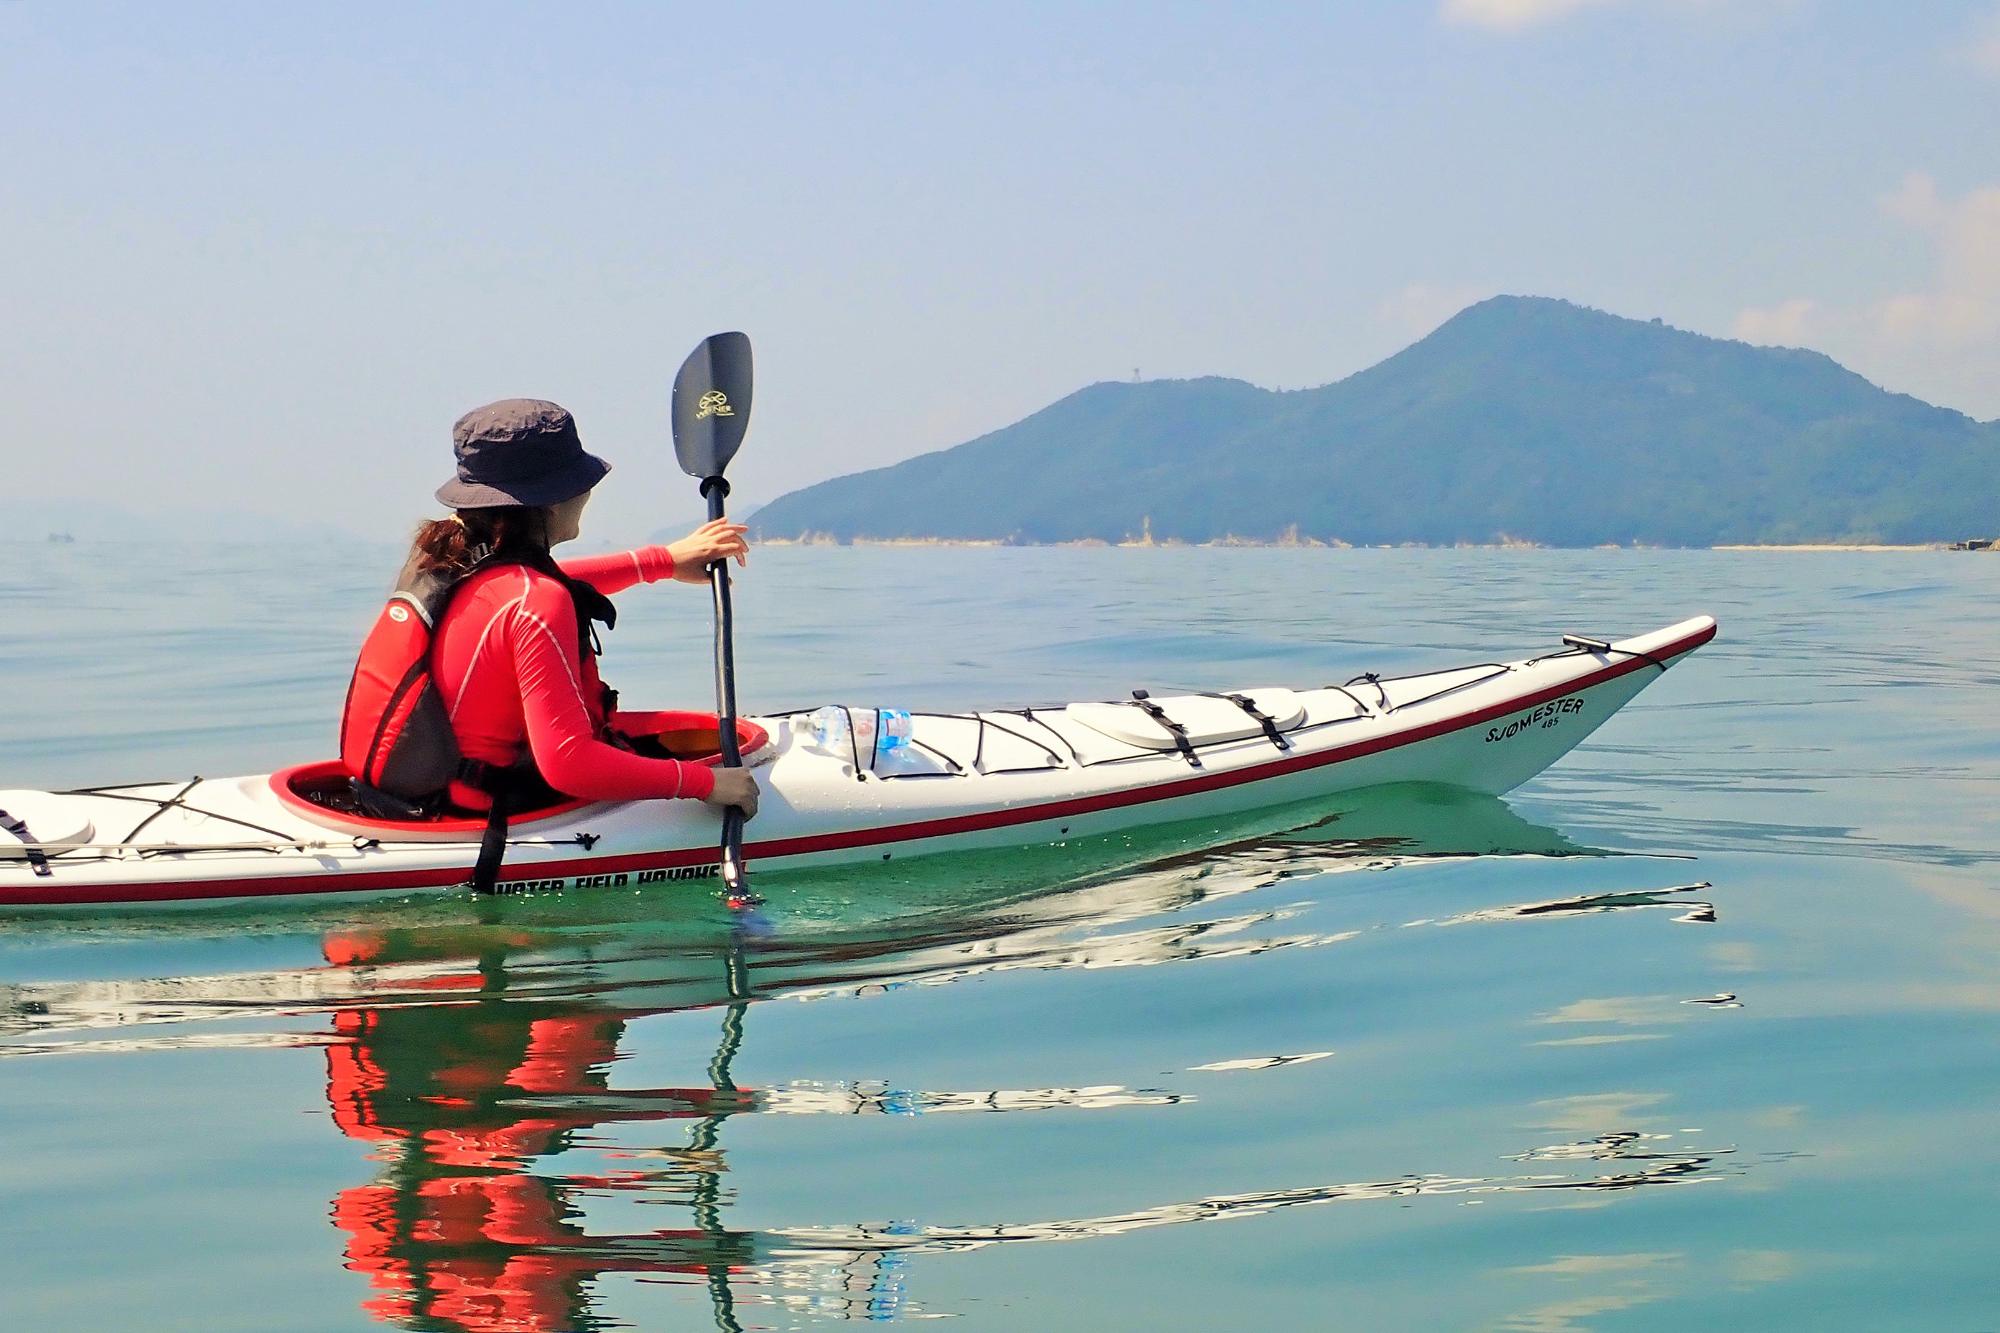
(261, 255)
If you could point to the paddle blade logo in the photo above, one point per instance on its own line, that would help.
(714, 403)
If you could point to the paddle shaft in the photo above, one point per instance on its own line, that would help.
(733, 873)
(711, 410)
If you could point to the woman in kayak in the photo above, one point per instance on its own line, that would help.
(513, 661)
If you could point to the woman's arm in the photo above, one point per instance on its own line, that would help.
(687, 559)
(619, 570)
(570, 757)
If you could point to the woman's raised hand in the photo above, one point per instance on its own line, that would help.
(717, 539)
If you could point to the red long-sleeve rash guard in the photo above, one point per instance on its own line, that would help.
(511, 677)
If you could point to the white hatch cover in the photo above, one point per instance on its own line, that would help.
(1209, 720)
(48, 820)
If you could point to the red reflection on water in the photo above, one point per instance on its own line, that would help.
(457, 1233)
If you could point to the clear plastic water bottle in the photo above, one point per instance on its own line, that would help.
(824, 729)
(877, 731)
(894, 730)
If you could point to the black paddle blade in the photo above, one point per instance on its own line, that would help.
(712, 404)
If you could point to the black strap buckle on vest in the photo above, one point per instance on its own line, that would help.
(492, 845)
(1259, 716)
(375, 803)
(1174, 729)
(491, 778)
(511, 786)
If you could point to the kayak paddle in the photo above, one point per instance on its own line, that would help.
(711, 413)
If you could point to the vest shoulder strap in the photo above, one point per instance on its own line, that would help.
(430, 591)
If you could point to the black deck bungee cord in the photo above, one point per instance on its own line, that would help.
(123, 792)
(280, 841)
(1498, 669)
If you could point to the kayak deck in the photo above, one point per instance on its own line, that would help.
(977, 780)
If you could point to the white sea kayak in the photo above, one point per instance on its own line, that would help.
(989, 779)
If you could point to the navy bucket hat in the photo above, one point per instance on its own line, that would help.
(519, 451)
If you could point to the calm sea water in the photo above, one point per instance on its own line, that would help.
(1699, 1029)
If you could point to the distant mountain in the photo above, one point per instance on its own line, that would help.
(1521, 417)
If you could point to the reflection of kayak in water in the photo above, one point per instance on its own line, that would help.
(474, 1047)
(964, 782)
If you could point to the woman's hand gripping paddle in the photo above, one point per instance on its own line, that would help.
(711, 414)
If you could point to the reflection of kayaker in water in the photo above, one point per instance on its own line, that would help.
(457, 1232)
(517, 705)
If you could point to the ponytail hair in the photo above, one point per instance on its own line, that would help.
(450, 546)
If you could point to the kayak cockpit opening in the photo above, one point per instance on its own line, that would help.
(323, 791)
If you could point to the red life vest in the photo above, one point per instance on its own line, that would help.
(395, 736)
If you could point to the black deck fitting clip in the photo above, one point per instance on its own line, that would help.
(1174, 729)
(1260, 717)
(38, 859)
